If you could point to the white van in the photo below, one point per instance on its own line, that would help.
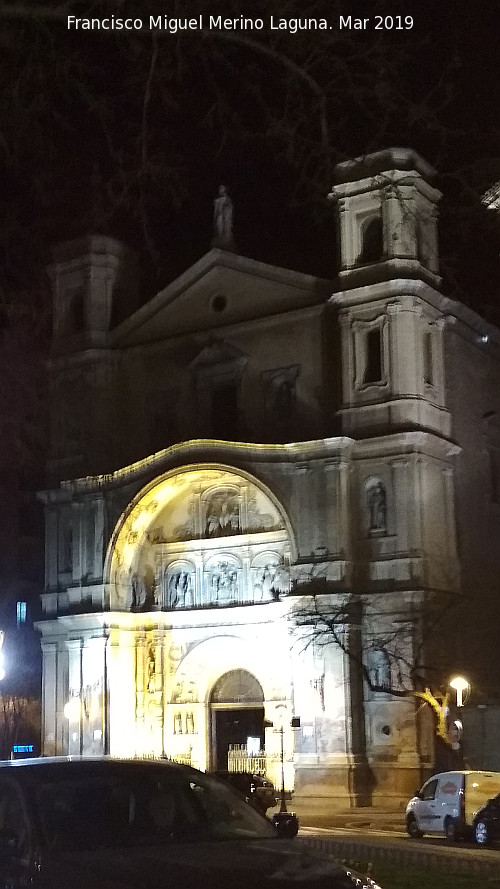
(448, 803)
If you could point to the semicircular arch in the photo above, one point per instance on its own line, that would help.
(176, 513)
(212, 659)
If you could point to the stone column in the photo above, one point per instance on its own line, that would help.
(49, 699)
(301, 511)
(75, 688)
(121, 696)
(359, 783)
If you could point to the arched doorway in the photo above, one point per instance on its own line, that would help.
(236, 715)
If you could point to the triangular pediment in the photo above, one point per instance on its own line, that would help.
(221, 289)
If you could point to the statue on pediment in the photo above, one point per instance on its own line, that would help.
(223, 220)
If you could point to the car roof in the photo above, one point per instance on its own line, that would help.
(40, 762)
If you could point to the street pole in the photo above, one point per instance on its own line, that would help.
(283, 807)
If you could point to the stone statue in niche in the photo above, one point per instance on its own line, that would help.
(178, 724)
(151, 667)
(377, 506)
(223, 515)
(379, 668)
(179, 590)
(143, 590)
(189, 723)
(138, 592)
(224, 583)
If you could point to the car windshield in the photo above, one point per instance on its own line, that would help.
(132, 805)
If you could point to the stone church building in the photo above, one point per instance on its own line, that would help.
(249, 439)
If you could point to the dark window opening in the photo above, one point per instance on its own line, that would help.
(428, 359)
(75, 311)
(225, 423)
(372, 241)
(373, 366)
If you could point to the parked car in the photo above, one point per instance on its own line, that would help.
(131, 824)
(449, 802)
(486, 827)
(258, 789)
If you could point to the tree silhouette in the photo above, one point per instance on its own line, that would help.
(392, 651)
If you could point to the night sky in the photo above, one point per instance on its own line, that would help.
(130, 134)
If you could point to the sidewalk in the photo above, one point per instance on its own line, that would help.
(311, 813)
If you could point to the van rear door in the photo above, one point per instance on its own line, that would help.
(479, 788)
(449, 797)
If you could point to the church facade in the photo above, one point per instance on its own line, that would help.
(250, 442)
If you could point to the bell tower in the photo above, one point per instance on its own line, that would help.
(390, 309)
(85, 276)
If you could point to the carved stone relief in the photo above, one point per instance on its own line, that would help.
(185, 692)
(270, 582)
(223, 514)
(178, 590)
(184, 723)
(223, 582)
(258, 520)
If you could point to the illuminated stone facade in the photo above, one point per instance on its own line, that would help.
(248, 437)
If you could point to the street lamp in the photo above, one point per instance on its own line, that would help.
(285, 822)
(462, 688)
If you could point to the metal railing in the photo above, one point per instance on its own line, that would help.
(184, 758)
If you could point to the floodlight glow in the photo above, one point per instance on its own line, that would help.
(72, 709)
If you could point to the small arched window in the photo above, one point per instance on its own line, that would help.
(372, 240)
